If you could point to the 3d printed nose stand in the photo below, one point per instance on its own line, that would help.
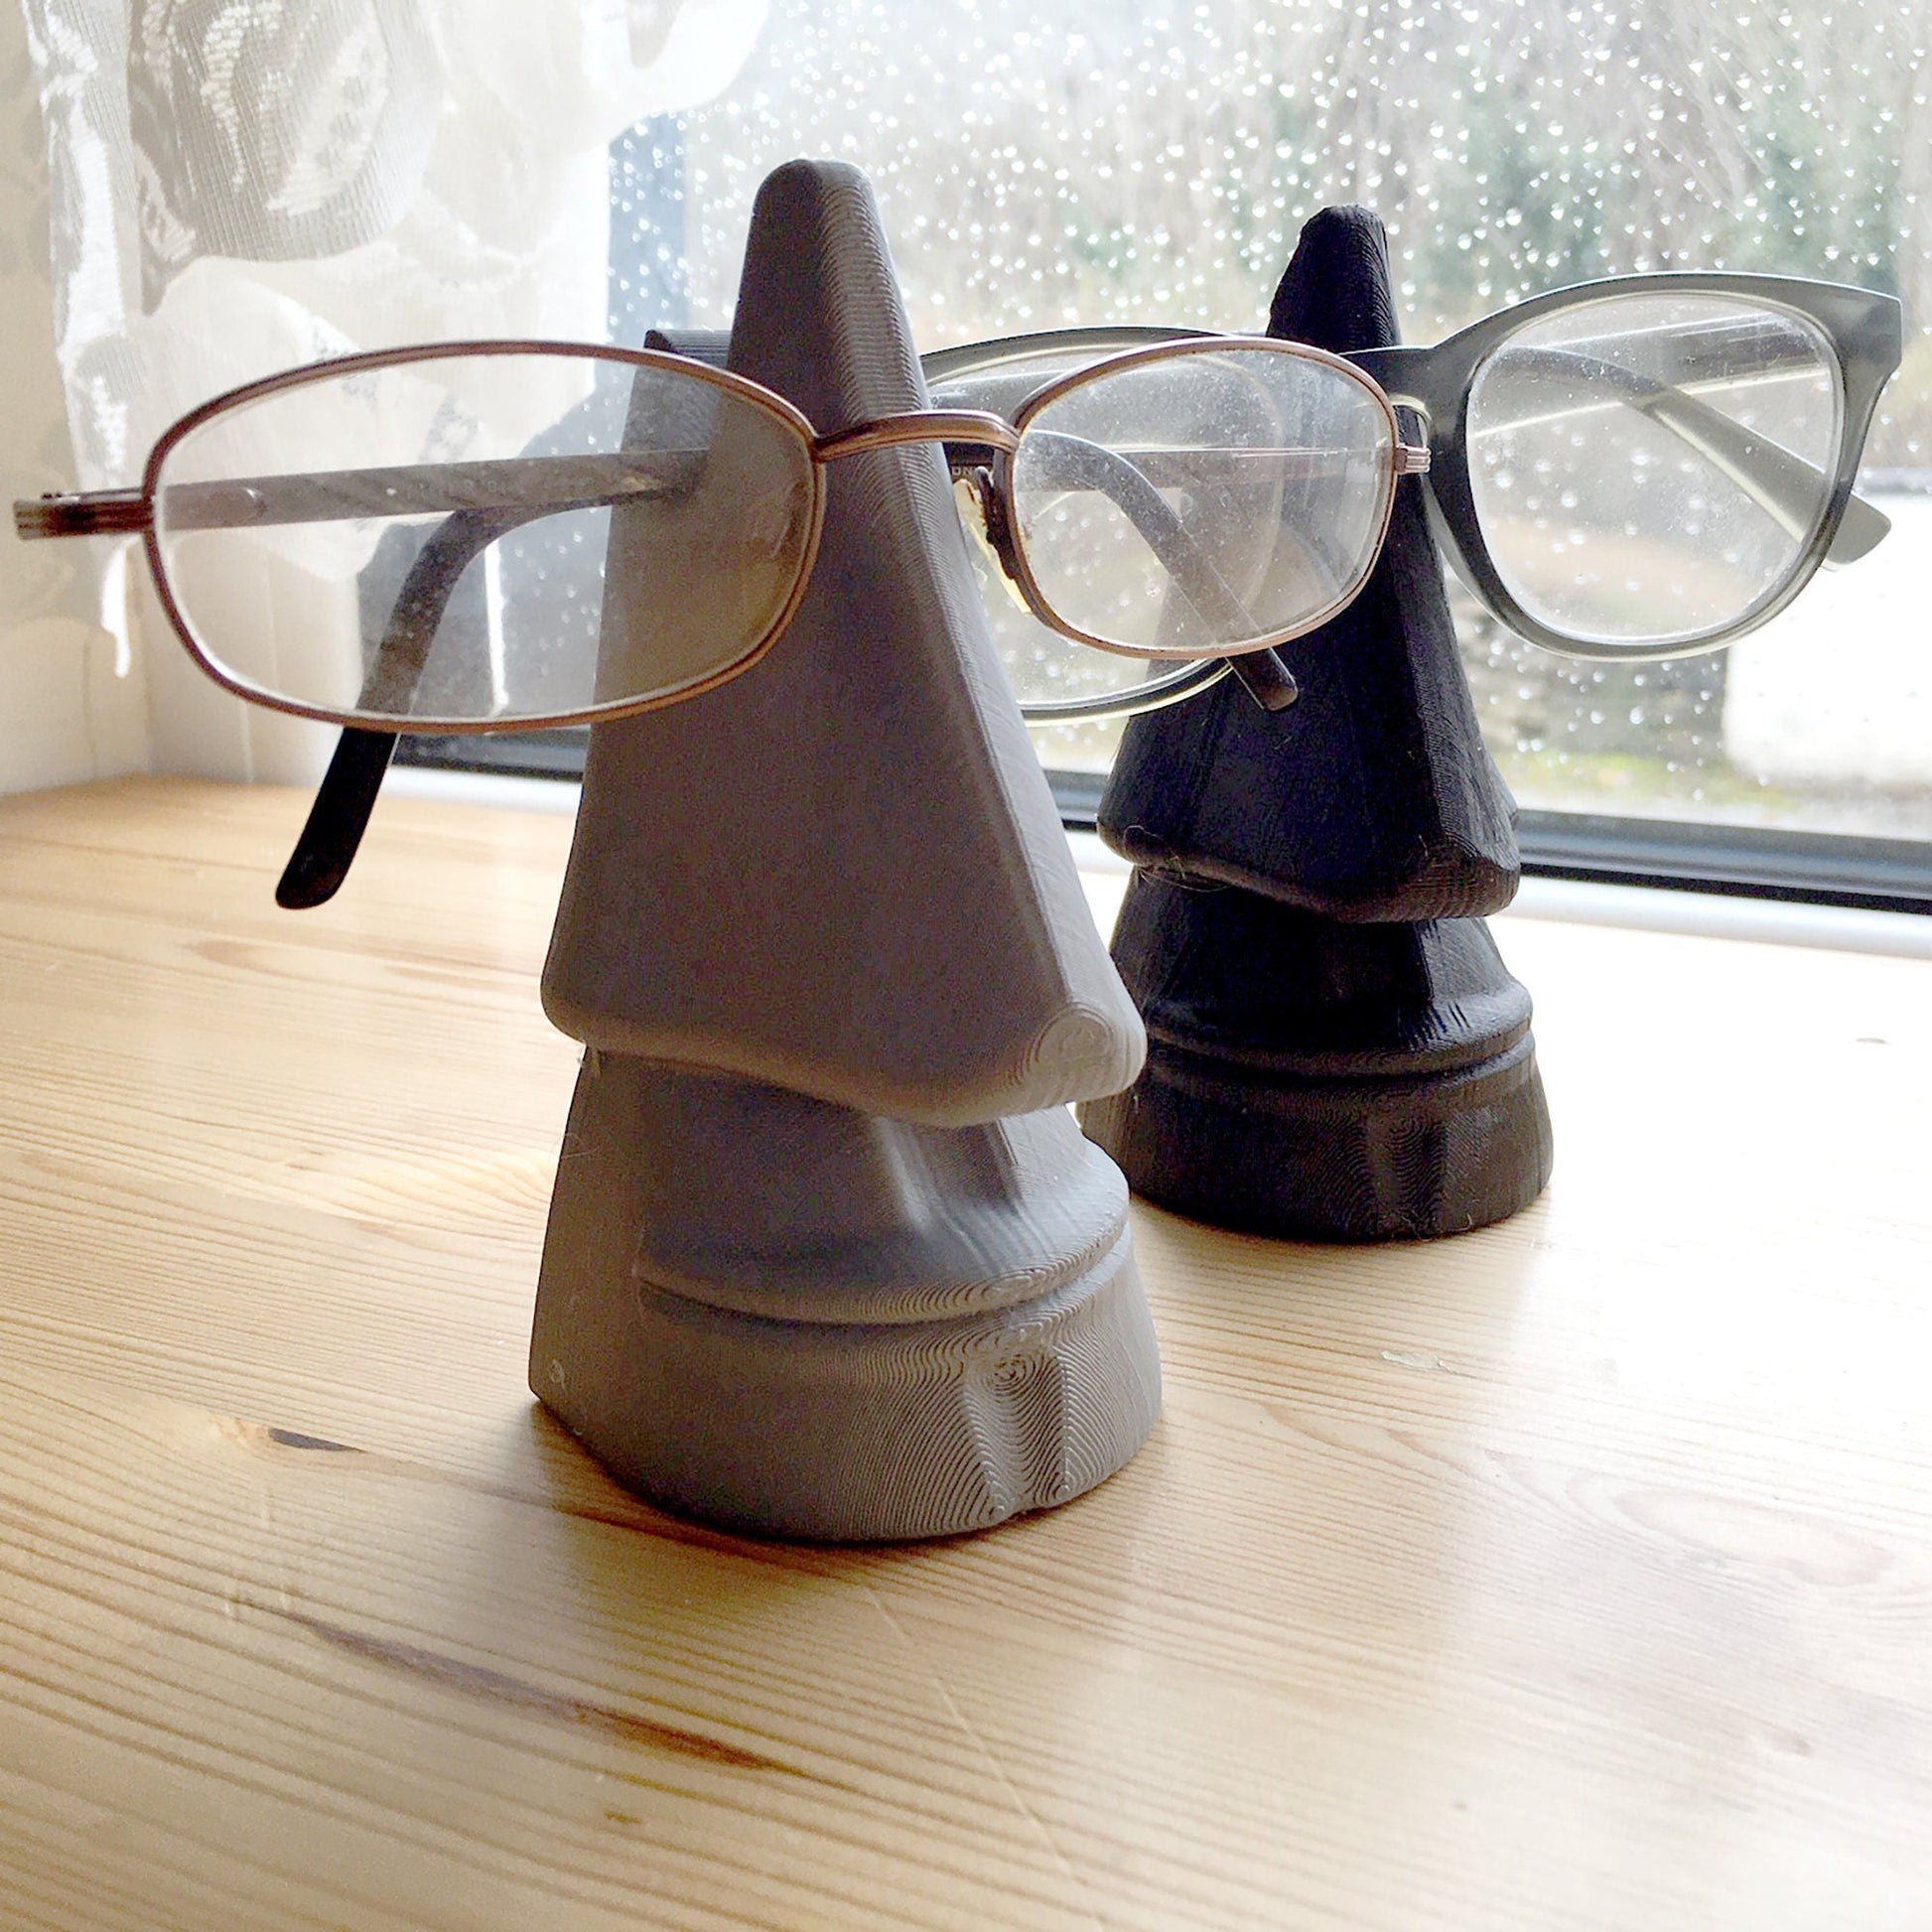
(1336, 1050)
(827, 1256)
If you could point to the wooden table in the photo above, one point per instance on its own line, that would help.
(1574, 1574)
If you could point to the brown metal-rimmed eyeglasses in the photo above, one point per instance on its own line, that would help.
(332, 542)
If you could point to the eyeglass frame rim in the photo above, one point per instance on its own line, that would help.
(1394, 467)
(1866, 328)
(242, 394)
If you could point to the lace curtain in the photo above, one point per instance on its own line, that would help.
(237, 185)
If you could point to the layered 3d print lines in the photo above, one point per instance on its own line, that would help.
(827, 1255)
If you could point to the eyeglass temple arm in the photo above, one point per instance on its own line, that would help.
(1261, 673)
(327, 844)
(1783, 484)
(339, 815)
(345, 798)
(82, 514)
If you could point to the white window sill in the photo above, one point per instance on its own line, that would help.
(1711, 915)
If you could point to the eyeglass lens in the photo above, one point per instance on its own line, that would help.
(1650, 469)
(1203, 501)
(1046, 668)
(425, 543)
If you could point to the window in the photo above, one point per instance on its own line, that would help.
(1081, 160)
(1065, 161)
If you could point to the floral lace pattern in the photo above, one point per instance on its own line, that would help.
(239, 186)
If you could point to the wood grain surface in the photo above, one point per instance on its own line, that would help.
(1574, 1574)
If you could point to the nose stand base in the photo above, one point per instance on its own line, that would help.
(791, 1318)
(1321, 1080)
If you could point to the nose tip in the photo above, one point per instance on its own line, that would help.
(1078, 1051)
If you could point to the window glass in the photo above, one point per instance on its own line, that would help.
(1081, 160)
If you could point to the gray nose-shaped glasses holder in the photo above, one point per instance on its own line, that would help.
(827, 1255)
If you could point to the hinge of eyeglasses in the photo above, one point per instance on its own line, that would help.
(93, 513)
(1411, 458)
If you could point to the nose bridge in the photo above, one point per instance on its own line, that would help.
(1405, 372)
(841, 872)
(913, 426)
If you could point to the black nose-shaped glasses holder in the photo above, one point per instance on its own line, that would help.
(1335, 1048)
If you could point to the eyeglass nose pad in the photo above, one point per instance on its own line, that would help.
(982, 515)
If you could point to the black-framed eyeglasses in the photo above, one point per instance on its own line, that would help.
(1643, 467)
(1646, 467)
